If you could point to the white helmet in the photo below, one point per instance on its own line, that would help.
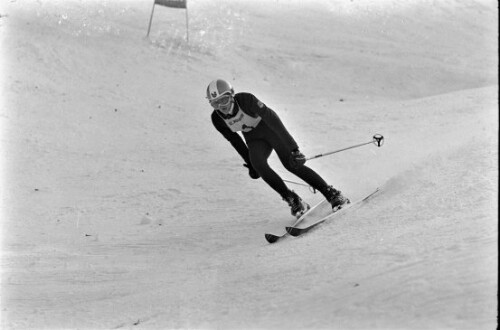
(220, 95)
(217, 88)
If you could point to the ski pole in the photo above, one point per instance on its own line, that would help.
(302, 184)
(377, 139)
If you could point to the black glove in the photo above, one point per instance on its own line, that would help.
(252, 172)
(297, 159)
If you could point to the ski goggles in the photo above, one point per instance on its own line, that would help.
(222, 101)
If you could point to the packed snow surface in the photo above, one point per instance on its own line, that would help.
(122, 206)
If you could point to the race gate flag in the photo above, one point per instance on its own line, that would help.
(173, 4)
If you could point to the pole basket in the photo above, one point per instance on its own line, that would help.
(378, 140)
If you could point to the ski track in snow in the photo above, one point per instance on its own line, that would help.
(123, 208)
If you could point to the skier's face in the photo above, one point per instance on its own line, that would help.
(223, 103)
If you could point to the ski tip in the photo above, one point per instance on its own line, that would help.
(293, 231)
(271, 238)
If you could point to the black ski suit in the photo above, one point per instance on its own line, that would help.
(263, 132)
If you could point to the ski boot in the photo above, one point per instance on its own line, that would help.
(335, 198)
(297, 205)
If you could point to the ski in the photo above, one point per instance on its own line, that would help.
(272, 238)
(296, 231)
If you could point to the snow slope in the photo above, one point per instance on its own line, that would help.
(122, 207)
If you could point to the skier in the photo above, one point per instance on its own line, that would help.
(263, 131)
